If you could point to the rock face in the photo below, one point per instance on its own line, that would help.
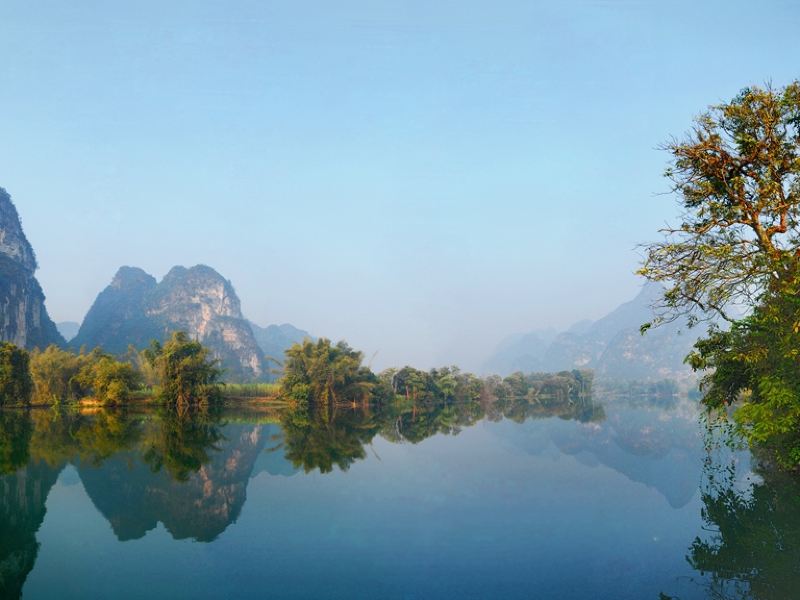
(612, 346)
(23, 317)
(136, 309)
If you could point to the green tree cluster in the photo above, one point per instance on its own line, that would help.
(445, 384)
(328, 373)
(542, 387)
(62, 376)
(186, 372)
(106, 379)
(321, 372)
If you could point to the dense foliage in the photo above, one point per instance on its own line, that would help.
(186, 371)
(323, 372)
(738, 177)
(106, 379)
(326, 373)
(16, 385)
(53, 371)
(62, 376)
(445, 384)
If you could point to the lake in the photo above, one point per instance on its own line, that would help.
(598, 498)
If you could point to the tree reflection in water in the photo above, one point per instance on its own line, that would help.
(751, 546)
(324, 436)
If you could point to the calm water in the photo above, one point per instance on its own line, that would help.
(613, 499)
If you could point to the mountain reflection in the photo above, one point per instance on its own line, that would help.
(191, 477)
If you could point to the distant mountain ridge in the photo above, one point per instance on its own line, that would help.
(23, 317)
(612, 346)
(135, 309)
(68, 329)
(274, 340)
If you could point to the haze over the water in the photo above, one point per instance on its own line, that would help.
(421, 178)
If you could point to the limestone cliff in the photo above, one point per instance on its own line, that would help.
(135, 309)
(23, 317)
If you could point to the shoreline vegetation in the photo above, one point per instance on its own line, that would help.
(181, 374)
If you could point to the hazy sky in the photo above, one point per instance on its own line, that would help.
(422, 178)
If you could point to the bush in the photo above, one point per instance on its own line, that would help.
(53, 370)
(107, 380)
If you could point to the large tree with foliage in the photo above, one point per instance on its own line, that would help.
(737, 175)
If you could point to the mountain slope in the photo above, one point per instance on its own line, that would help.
(23, 317)
(613, 345)
(274, 340)
(135, 309)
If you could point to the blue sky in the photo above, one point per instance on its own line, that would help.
(422, 178)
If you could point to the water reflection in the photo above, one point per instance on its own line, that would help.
(16, 429)
(22, 510)
(190, 472)
(750, 545)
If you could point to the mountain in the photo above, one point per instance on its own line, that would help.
(520, 351)
(612, 346)
(274, 340)
(23, 317)
(68, 329)
(135, 308)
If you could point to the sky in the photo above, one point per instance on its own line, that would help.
(422, 178)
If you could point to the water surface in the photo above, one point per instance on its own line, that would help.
(591, 499)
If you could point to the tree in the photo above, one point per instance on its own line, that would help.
(186, 372)
(108, 380)
(738, 177)
(16, 385)
(53, 371)
(323, 372)
(737, 174)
